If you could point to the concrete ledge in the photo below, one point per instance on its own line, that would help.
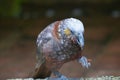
(91, 78)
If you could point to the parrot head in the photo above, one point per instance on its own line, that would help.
(75, 27)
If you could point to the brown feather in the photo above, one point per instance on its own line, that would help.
(55, 30)
(42, 71)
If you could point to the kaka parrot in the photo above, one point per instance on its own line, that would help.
(60, 42)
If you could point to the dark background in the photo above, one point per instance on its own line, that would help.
(22, 20)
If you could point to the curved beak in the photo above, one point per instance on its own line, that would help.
(80, 40)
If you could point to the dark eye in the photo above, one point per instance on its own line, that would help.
(72, 32)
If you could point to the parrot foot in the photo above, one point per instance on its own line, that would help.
(59, 76)
(62, 77)
(84, 62)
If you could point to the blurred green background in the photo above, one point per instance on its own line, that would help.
(22, 20)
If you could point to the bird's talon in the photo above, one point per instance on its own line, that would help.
(62, 77)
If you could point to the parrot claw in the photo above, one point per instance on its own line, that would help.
(84, 62)
(59, 76)
(62, 77)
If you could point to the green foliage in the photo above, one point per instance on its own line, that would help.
(10, 8)
(15, 8)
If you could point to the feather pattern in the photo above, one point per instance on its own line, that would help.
(55, 47)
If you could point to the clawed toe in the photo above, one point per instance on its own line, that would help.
(59, 76)
(63, 77)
